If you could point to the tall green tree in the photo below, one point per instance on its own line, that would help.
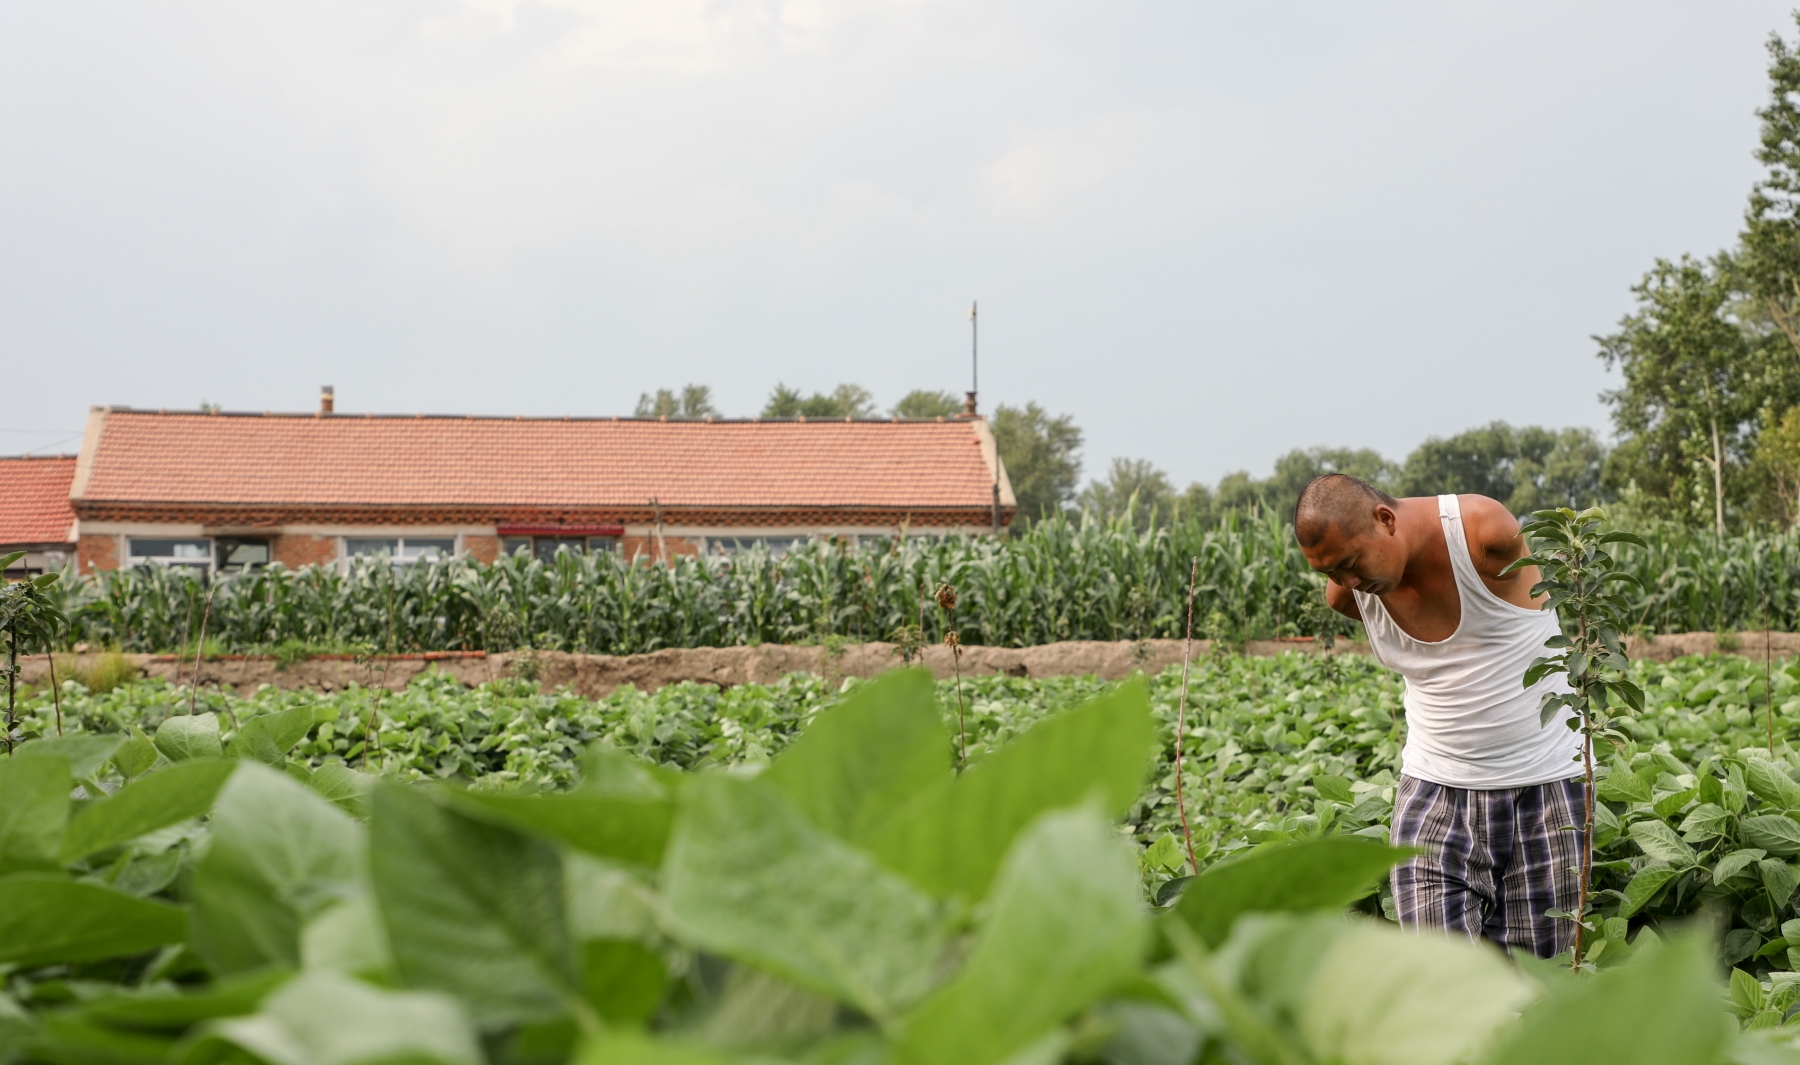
(922, 403)
(1042, 454)
(1770, 255)
(1133, 485)
(1527, 468)
(693, 401)
(845, 401)
(1695, 381)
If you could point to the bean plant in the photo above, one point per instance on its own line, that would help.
(194, 897)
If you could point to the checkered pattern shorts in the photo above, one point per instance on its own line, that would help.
(1494, 861)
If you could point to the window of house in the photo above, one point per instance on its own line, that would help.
(235, 554)
(402, 550)
(545, 547)
(169, 552)
(774, 545)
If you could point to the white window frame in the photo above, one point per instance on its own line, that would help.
(400, 558)
(206, 563)
(737, 545)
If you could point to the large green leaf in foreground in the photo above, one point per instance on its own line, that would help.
(183, 790)
(47, 918)
(1661, 1008)
(279, 855)
(951, 838)
(1066, 927)
(624, 828)
(327, 1019)
(34, 808)
(864, 758)
(471, 907)
(1320, 874)
(750, 878)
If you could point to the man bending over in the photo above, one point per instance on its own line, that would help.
(1488, 794)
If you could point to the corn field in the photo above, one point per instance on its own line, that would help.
(1081, 579)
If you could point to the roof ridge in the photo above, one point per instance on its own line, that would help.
(417, 416)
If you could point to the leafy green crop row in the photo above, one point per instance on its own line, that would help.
(855, 900)
(1057, 581)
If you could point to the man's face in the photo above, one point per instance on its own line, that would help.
(1371, 562)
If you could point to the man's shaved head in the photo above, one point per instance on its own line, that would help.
(1340, 500)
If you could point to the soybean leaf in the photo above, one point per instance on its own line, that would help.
(623, 828)
(1622, 785)
(1644, 886)
(189, 736)
(279, 855)
(184, 790)
(71, 1037)
(1660, 1008)
(171, 1010)
(86, 755)
(1736, 862)
(471, 907)
(1780, 880)
(1065, 927)
(322, 1018)
(46, 918)
(636, 1048)
(34, 810)
(135, 756)
(613, 772)
(622, 980)
(348, 938)
(146, 875)
(950, 839)
(1321, 874)
(1379, 995)
(1770, 783)
(748, 877)
(1658, 840)
(1337, 789)
(343, 787)
(861, 760)
(268, 738)
(1705, 821)
(1775, 833)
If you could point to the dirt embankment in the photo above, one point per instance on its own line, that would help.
(596, 676)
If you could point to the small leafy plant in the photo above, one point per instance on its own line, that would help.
(29, 621)
(1580, 578)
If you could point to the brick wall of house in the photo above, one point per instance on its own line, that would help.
(294, 550)
(97, 552)
(483, 549)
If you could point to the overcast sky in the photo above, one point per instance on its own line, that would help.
(1211, 232)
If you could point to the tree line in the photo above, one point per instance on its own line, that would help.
(1527, 468)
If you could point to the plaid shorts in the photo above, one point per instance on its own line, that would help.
(1494, 861)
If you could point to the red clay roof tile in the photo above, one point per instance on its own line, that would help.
(34, 500)
(352, 459)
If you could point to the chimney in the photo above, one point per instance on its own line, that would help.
(326, 400)
(968, 410)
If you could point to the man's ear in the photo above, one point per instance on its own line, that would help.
(1387, 519)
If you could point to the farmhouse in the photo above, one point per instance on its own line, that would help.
(34, 513)
(226, 491)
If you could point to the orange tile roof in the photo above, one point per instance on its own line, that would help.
(34, 500)
(348, 459)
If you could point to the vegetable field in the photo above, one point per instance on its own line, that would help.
(1058, 581)
(793, 874)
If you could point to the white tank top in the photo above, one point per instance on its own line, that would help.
(1470, 722)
